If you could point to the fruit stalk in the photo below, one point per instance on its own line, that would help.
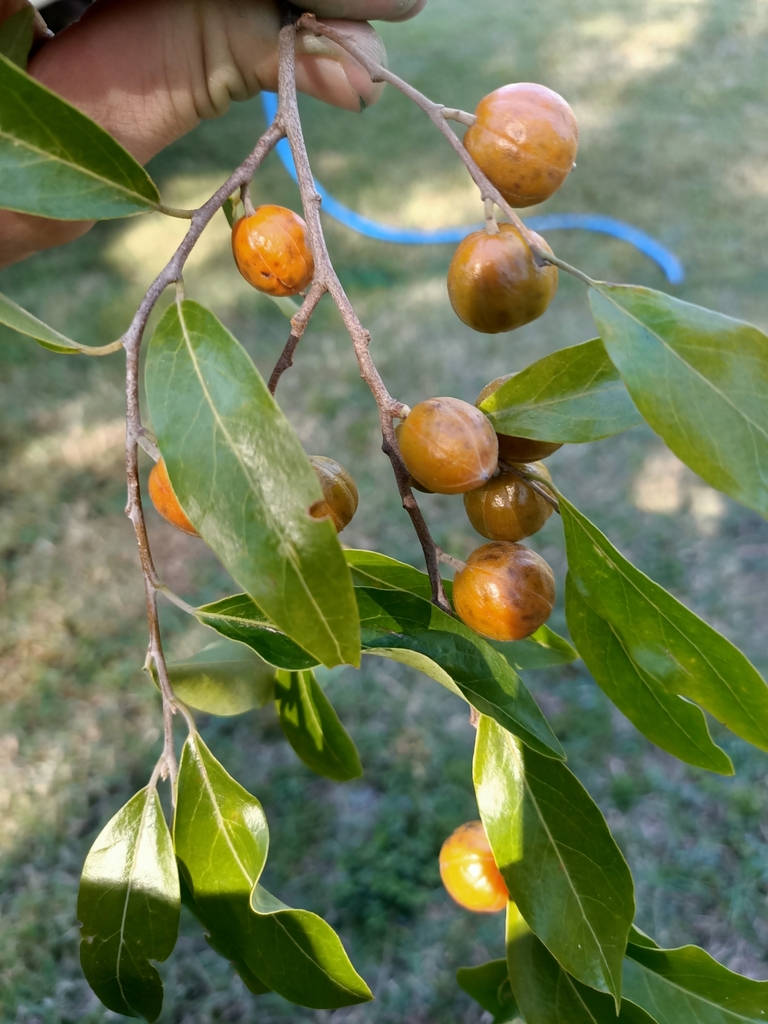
(327, 280)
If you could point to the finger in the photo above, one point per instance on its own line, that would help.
(365, 10)
(326, 71)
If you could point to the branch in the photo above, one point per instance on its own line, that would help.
(135, 434)
(326, 278)
(299, 323)
(439, 115)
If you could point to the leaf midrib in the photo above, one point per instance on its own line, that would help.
(618, 569)
(50, 158)
(128, 891)
(508, 740)
(252, 884)
(652, 692)
(685, 363)
(233, 448)
(693, 995)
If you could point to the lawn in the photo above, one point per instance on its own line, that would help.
(670, 95)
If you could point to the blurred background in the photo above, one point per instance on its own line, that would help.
(670, 96)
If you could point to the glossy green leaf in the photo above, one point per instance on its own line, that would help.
(56, 162)
(548, 995)
(16, 35)
(371, 569)
(225, 678)
(574, 395)
(639, 938)
(699, 378)
(306, 957)
(128, 906)
(313, 729)
(393, 620)
(541, 649)
(242, 477)
(489, 986)
(20, 320)
(562, 867)
(686, 986)
(240, 618)
(226, 948)
(670, 644)
(221, 839)
(669, 721)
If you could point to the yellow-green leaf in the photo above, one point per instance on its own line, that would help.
(56, 162)
(699, 378)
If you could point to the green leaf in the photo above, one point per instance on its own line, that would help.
(393, 620)
(489, 986)
(225, 678)
(16, 35)
(221, 839)
(574, 395)
(373, 570)
(128, 906)
(541, 649)
(239, 618)
(670, 644)
(56, 162)
(20, 320)
(699, 378)
(313, 729)
(306, 957)
(639, 938)
(562, 867)
(686, 986)
(548, 995)
(669, 721)
(241, 475)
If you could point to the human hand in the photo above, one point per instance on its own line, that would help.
(149, 70)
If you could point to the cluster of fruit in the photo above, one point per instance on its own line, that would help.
(524, 138)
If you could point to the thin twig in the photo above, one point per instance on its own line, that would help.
(299, 323)
(326, 277)
(446, 559)
(534, 481)
(438, 115)
(102, 350)
(135, 434)
(462, 116)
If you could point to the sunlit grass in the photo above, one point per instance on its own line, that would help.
(670, 94)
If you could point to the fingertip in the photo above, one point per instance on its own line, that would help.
(327, 72)
(346, 87)
(417, 8)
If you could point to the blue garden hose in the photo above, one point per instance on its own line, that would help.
(669, 263)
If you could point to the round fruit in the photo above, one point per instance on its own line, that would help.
(505, 591)
(165, 501)
(340, 496)
(495, 283)
(525, 139)
(517, 449)
(272, 252)
(523, 449)
(506, 508)
(448, 445)
(469, 872)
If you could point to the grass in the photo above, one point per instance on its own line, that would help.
(669, 94)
